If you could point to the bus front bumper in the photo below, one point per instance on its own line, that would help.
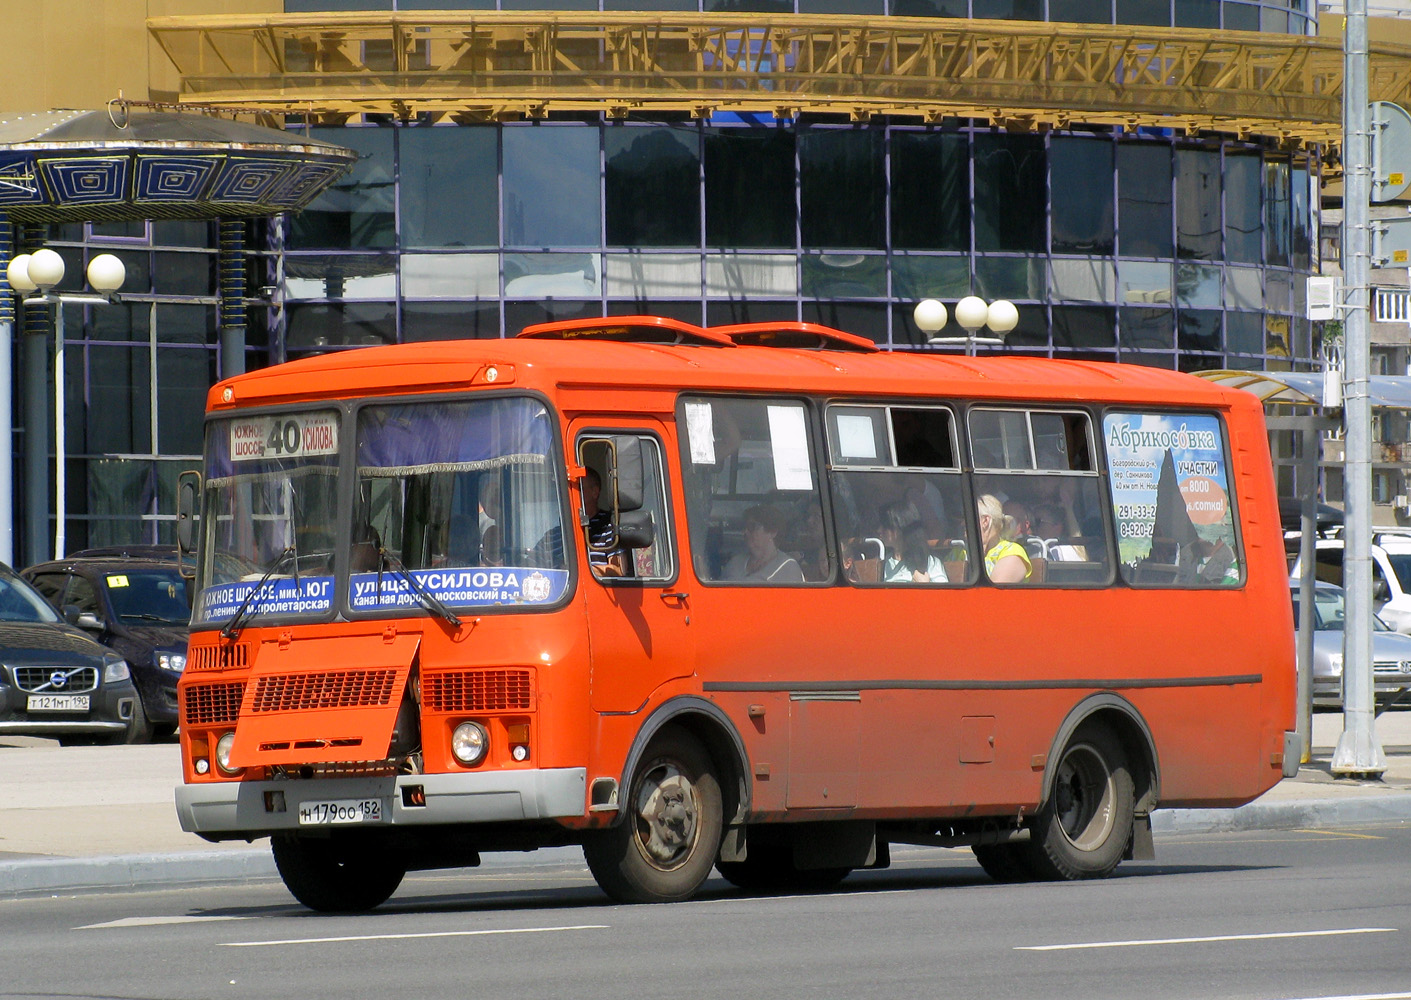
(256, 808)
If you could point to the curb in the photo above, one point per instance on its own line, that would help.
(49, 876)
(55, 876)
(1285, 815)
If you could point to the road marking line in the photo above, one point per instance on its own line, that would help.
(407, 937)
(1204, 940)
(1362, 996)
(1341, 833)
(155, 921)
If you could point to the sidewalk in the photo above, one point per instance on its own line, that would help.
(82, 818)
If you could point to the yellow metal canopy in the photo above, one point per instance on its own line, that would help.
(1306, 388)
(477, 65)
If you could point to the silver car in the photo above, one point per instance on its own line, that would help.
(1391, 651)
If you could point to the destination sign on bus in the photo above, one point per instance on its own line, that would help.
(457, 587)
(308, 595)
(284, 436)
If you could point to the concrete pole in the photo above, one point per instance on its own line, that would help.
(1358, 753)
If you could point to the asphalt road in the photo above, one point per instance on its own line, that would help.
(1259, 915)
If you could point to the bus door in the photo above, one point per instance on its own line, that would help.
(638, 617)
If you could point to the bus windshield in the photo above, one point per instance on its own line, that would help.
(459, 503)
(270, 507)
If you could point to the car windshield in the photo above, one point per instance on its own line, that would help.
(459, 500)
(269, 515)
(19, 602)
(1401, 566)
(148, 596)
(1330, 611)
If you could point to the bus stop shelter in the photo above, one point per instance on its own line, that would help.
(1296, 441)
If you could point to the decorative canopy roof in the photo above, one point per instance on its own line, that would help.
(117, 164)
(1306, 388)
(488, 65)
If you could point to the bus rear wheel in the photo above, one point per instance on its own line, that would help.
(1083, 829)
(332, 876)
(665, 844)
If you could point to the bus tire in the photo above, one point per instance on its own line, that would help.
(665, 844)
(334, 877)
(1004, 862)
(1083, 829)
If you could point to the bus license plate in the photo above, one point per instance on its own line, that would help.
(340, 811)
(58, 703)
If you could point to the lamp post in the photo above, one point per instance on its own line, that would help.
(971, 313)
(34, 276)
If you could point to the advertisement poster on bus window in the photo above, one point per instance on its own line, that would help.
(1171, 499)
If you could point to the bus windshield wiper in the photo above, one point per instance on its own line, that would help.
(429, 600)
(237, 620)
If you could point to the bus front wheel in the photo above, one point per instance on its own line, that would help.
(665, 844)
(334, 877)
(1083, 829)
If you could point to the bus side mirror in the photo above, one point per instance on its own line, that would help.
(635, 530)
(628, 474)
(188, 498)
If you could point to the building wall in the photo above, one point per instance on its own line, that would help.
(83, 53)
(1145, 246)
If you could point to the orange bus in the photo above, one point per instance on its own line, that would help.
(760, 598)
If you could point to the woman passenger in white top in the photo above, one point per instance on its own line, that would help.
(909, 558)
(762, 562)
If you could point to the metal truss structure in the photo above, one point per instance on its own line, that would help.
(486, 66)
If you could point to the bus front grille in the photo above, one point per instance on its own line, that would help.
(208, 704)
(478, 691)
(232, 657)
(326, 689)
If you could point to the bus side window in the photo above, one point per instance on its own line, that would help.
(1171, 500)
(898, 498)
(1047, 490)
(753, 502)
(611, 532)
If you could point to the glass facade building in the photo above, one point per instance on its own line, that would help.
(1144, 246)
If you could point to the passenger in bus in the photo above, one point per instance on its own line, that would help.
(1207, 561)
(492, 552)
(909, 558)
(1005, 560)
(600, 529)
(1023, 528)
(762, 562)
(1049, 525)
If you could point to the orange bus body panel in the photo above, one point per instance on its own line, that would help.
(953, 697)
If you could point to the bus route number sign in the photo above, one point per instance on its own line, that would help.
(284, 436)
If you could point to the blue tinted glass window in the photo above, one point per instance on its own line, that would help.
(551, 186)
(449, 184)
(1081, 169)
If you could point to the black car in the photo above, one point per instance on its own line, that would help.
(54, 679)
(136, 602)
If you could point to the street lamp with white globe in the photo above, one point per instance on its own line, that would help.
(34, 276)
(971, 314)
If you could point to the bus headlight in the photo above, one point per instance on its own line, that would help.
(223, 746)
(470, 742)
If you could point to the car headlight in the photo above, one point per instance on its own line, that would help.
(223, 746)
(469, 743)
(115, 670)
(175, 662)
